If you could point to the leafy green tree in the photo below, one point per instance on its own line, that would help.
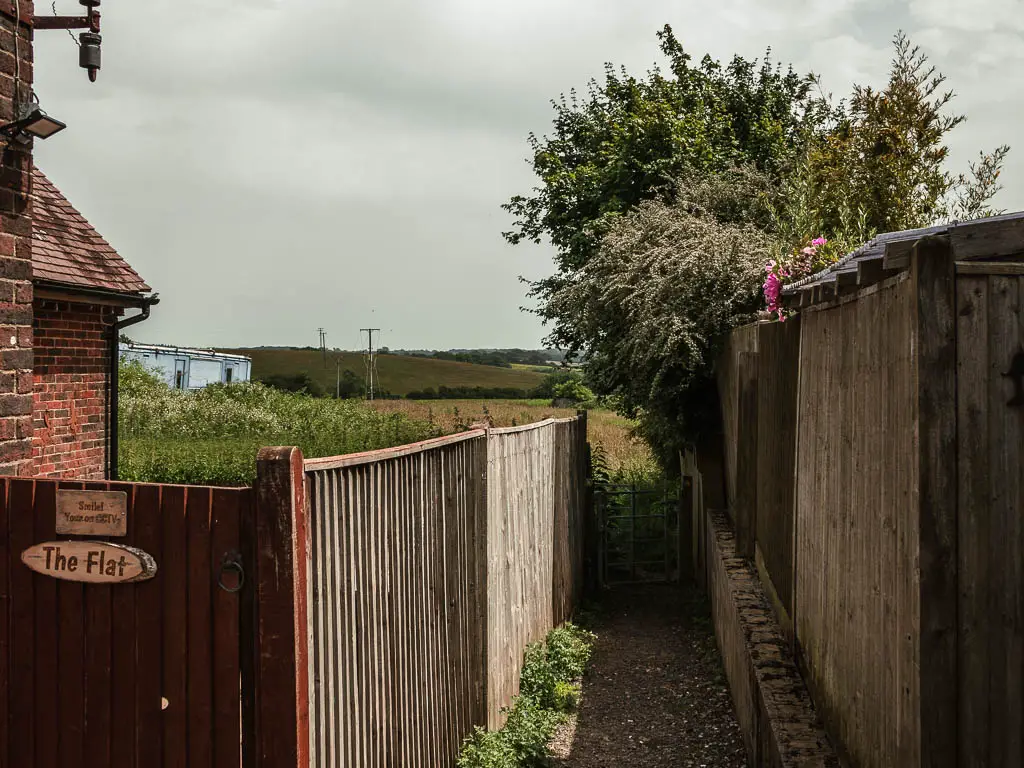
(883, 166)
(665, 196)
(631, 138)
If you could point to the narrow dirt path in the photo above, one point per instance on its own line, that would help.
(655, 693)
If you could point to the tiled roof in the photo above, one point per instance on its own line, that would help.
(66, 249)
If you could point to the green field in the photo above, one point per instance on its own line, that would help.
(397, 374)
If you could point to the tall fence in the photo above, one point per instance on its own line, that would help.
(431, 567)
(193, 665)
(873, 473)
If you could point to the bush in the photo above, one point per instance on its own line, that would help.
(546, 389)
(575, 392)
(548, 690)
(294, 382)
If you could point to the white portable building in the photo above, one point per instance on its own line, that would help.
(183, 368)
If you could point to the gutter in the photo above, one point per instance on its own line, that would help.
(115, 359)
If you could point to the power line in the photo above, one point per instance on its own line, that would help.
(371, 361)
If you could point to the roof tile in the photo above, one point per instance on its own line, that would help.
(66, 249)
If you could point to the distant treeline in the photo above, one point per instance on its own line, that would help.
(546, 390)
(469, 393)
(500, 358)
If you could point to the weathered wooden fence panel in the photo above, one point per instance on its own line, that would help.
(990, 336)
(856, 605)
(907, 592)
(520, 554)
(430, 569)
(397, 622)
(737, 383)
(778, 352)
(570, 457)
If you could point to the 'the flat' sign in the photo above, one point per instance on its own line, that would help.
(97, 562)
(92, 513)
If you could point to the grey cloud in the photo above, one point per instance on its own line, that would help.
(273, 166)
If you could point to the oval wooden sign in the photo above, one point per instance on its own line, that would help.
(96, 562)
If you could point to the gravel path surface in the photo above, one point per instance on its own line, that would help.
(655, 693)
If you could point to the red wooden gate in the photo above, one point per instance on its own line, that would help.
(163, 673)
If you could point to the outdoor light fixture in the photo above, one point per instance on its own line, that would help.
(88, 42)
(34, 123)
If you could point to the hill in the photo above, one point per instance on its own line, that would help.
(397, 374)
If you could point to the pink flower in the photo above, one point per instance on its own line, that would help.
(819, 241)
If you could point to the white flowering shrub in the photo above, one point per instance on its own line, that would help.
(652, 307)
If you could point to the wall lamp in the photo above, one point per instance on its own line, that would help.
(33, 124)
(88, 42)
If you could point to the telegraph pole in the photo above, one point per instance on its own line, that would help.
(370, 366)
(323, 344)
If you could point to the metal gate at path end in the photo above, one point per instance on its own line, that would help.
(166, 670)
(639, 533)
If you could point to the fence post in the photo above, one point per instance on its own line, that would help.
(281, 627)
(932, 268)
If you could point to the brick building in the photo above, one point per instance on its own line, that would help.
(15, 245)
(63, 290)
(82, 289)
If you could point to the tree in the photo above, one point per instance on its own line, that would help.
(883, 166)
(666, 196)
(631, 138)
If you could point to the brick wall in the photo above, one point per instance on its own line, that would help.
(15, 248)
(72, 373)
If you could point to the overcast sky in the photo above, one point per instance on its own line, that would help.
(273, 166)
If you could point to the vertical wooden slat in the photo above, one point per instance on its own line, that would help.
(98, 678)
(176, 615)
(225, 543)
(122, 657)
(146, 512)
(973, 556)
(43, 511)
(21, 694)
(200, 629)
(1005, 652)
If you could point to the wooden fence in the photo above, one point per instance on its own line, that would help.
(876, 480)
(166, 672)
(430, 569)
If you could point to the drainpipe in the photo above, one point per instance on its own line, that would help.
(115, 359)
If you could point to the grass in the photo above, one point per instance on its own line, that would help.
(398, 374)
(211, 436)
(627, 457)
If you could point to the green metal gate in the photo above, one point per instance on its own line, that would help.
(639, 534)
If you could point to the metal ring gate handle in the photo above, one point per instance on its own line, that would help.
(231, 562)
